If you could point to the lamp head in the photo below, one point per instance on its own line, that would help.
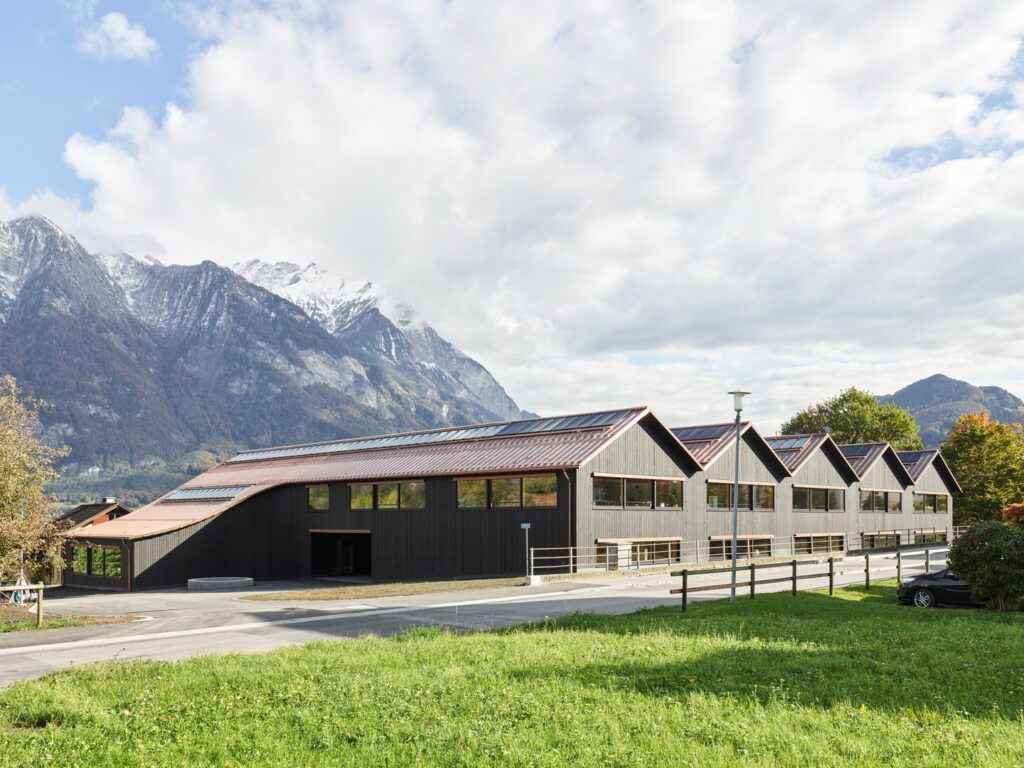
(737, 399)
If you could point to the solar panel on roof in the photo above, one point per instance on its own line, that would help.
(522, 427)
(206, 494)
(693, 434)
(856, 451)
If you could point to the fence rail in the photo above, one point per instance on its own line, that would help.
(637, 554)
(795, 576)
(15, 589)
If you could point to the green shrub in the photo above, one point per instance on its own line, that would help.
(990, 557)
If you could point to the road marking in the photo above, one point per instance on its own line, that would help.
(342, 614)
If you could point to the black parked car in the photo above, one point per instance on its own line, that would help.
(932, 589)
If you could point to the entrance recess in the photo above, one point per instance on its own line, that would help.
(339, 554)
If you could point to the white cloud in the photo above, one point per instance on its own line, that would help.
(114, 37)
(608, 202)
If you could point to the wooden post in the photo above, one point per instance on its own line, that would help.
(867, 570)
(927, 561)
(831, 574)
(39, 607)
(794, 578)
(752, 572)
(899, 566)
(684, 589)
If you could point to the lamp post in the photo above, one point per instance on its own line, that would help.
(737, 404)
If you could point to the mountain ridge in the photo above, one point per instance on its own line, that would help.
(145, 362)
(937, 401)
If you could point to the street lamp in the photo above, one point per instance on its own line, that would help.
(737, 404)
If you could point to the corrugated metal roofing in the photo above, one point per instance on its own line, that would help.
(706, 441)
(917, 462)
(449, 435)
(862, 456)
(530, 452)
(794, 450)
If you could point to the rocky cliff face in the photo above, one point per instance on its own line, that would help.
(144, 362)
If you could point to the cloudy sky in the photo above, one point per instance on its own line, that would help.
(606, 203)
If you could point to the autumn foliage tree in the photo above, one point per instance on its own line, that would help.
(855, 416)
(29, 537)
(987, 458)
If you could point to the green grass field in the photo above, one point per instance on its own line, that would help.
(809, 681)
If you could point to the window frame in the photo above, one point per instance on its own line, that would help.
(351, 496)
(640, 483)
(490, 495)
(486, 493)
(309, 497)
(680, 488)
(525, 479)
(621, 481)
(423, 494)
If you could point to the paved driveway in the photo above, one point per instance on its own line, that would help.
(176, 624)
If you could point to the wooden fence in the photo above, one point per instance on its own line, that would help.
(37, 588)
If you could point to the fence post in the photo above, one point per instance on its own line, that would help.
(684, 590)
(39, 607)
(794, 578)
(867, 570)
(752, 576)
(899, 566)
(831, 574)
(927, 561)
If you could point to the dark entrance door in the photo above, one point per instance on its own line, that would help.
(340, 554)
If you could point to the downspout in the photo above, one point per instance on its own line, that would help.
(569, 510)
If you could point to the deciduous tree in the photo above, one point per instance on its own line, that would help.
(855, 416)
(29, 539)
(987, 458)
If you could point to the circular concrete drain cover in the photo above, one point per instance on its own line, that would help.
(220, 582)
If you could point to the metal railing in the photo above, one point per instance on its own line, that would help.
(16, 591)
(637, 554)
(750, 571)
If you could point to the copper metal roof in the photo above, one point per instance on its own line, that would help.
(707, 442)
(523, 452)
(863, 456)
(917, 462)
(796, 450)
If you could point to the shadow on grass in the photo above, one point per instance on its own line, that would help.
(817, 651)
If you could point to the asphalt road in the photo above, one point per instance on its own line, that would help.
(176, 624)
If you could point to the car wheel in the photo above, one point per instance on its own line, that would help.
(923, 598)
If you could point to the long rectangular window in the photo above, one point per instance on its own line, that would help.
(366, 496)
(655, 551)
(881, 501)
(721, 549)
(933, 503)
(879, 540)
(471, 494)
(317, 498)
(112, 563)
(97, 561)
(752, 497)
(819, 499)
(607, 492)
(813, 544)
(540, 491)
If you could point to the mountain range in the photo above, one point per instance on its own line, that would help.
(937, 401)
(143, 363)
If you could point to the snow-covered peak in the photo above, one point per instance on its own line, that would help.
(325, 296)
(126, 270)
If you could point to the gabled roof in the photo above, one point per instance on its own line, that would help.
(916, 462)
(796, 450)
(525, 445)
(708, 442)
(84, 513)
(863, 456)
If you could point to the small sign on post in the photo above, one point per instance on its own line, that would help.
(526, 532)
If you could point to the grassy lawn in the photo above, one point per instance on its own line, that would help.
(357, 591)
(809, 681)
(15, 619)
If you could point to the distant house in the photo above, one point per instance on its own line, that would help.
(85, 515)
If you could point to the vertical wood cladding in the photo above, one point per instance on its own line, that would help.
(268, 537)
